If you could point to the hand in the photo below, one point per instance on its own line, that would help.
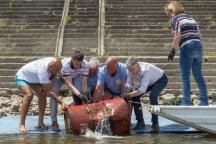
(171, 54)
(85, 98)
(63, 106)
(126, 97)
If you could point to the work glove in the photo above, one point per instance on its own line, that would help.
(85, 98)
(171, 54)
(126, 97)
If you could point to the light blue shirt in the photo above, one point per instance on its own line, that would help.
(113, 83)
(92, 81)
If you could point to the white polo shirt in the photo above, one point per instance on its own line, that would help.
(69, 70)
(147, 76)
(36, 71)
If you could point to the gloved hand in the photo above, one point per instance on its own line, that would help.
(171, 54)
(85, 98)
(126, 97)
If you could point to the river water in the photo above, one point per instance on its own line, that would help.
(169, 134)
(163, 138)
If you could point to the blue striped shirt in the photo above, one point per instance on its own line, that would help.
(188, 28)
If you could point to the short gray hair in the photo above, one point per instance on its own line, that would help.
(93, 62)
(131, 62)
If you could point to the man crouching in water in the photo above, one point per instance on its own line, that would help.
(36, 76)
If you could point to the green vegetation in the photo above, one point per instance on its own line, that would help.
(67, 19)
(174, 101)
(24, 26)
(166, 25)
(10, 4)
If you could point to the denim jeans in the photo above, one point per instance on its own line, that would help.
(155, 91)
(191, 59)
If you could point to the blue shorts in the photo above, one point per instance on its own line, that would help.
(20, 82)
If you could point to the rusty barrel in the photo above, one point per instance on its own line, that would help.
(80, 117)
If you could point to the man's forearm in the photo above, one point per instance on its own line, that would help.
(56, 97)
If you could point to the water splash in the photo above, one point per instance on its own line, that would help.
(104, 127)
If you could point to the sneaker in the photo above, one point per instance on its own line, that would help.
(154, 128)
(55, 127)
(139, 125)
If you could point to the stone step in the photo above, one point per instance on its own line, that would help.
(34, 20)
(161, 26)
(23, 53)
(28, 35)
(40, 27)
(78, 31)
(146, 35)
(148, 23)
(171, 85)
(82, 35)
(159, 13)
(150, 59)
(165, 66)
(27, 40)
(126, 45)
(133, 53)
(152, 32)
(28, 31)
(149, 40)
(36, 9)
(176, 78)
(29, 50)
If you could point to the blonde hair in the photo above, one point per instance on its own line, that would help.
(174, 7)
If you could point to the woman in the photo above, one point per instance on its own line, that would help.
(187, 39)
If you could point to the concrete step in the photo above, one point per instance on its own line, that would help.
(28, 31)
(28, 40)
(153, 36)
(47, 54)
(32, 35)
(149, 40)
(40, 27)
(171, 85)
(165, 66)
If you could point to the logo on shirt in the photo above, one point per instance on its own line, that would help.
(118, 82)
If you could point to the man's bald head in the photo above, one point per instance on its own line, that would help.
(112, 65)
(55, 67)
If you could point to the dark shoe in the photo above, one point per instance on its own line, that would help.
(154, 128)
(55, 127)
(203, 103)
(139, 125)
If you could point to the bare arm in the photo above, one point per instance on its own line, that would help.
(72, 88)
(84, 84)
(176, 40)
(97, 93)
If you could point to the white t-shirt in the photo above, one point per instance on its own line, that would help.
(36, 71)
(69, 70)
(147, 76)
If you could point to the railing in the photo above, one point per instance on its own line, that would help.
(60, 37)
(101, 27)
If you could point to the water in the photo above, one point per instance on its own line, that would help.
(163, 138)
(10, 135)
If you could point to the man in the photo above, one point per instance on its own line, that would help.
(36, 75)
(93, 74)
(111, 80)
(150, 78)
(74, 74)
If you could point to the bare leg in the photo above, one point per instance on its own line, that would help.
(25, 107)
(42, 105)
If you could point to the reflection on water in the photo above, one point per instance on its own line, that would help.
(163, 138)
